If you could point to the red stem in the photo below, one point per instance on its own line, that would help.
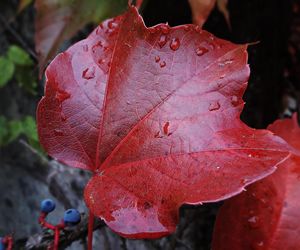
(8, 241)
(44, 223)
(56, 229)
(56, 238)
(90, 230)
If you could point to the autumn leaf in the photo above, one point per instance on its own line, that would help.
(154, 113)
(58, 20)
(267, 215)
(201, 9)
(222, 6)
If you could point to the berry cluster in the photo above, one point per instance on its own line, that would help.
(71, 218)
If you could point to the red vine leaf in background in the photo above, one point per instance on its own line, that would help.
(267, 215)
(201, 9)
(57, 21)
(154, 112)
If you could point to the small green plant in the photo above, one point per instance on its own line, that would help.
(12, 129)
(16, 63)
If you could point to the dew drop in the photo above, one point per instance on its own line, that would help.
(186, 27)
(85, 48)
(253, 221)
(175, 44)
(212, 46)
(226, 62)
(101, 61)
(96, 45)
(157, 59)
(234, 100)
(197, 28)
(58, 132)
(166, 128)
(214, 106)
(164, 28)
(162, 64)
(244, 181)
(98, 30)
(89, 73)
(62, 95)
(112, 24)
(157, 135)
(162, 41)
(260, 244)
(200, 51)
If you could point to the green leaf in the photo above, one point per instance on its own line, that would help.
(11, 130)
(26, 79)
(19, 56)
(15, 129)
(6, 71)
(29, 128)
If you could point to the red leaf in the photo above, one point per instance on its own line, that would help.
(155, 113)
(201, 10)
(267, 215)
(57, 21)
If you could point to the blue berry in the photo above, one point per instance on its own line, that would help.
(47, 206)
(72, 217)
(2, 246)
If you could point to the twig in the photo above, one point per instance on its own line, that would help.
(44, 239)
(18, 37)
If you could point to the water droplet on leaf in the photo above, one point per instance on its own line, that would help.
(234, 100)
(89, 73)
(62, 95)
(85, 48)
(112, 24)
(212, 46)
(162, 41)
(58, 132)
(253, 221)
(97, 45)
(197, 28)
(214, 106)
(200, 51)
(101, 61)
(162, 64)
(175, 44)
(166, 128)
(164, 28)
(186, 27)
(226, 62)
